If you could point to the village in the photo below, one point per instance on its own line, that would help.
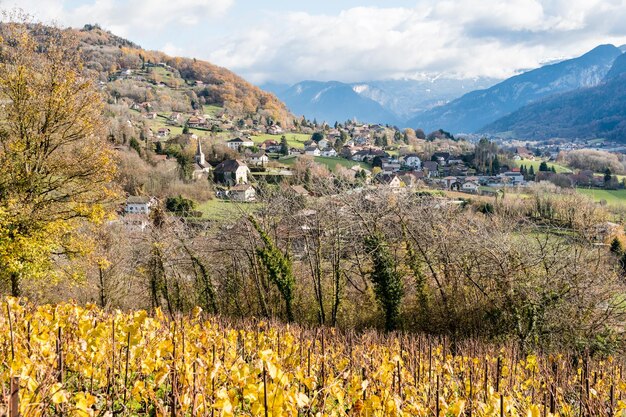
(234, 156)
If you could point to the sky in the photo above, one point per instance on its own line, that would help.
(287, 41)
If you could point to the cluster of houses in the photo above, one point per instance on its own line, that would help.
(443, 171)
(231, 176)
(323, 147)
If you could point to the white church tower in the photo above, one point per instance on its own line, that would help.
(200, 155)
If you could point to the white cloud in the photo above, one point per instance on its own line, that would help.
(458, 37)
(126, 17)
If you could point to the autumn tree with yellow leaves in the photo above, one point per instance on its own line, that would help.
(55, 166)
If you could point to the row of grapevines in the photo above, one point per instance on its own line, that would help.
(83, 361)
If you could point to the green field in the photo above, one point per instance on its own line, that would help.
(211, 110)
(295, 140)
(612, 197)
(331, 163)
(560, 169)
(160, 121)
(223, 210)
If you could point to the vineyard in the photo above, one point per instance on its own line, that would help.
(82, 361)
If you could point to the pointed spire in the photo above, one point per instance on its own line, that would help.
(199, 154)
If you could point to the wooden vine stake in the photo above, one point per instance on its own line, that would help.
(265, 390)
(437, 398)
(14, 399)
(14, 393)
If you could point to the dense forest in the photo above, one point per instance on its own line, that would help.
(590, 113)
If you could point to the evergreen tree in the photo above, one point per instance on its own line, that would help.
(278, 267)
(317, 136)
(284, 145)
(531, 172)
(543, 167)
(338, 144)
(179, 205)
(386, 279)
(495, 165)
(607, 175)
(185, 165)
(134, 144)
(616, 247)
(416, 266)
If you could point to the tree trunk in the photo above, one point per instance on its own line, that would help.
(16, 291)
(102, 290)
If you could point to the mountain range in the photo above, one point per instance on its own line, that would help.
(474, 110)
(476, 105)
(381, 101)
(588, 113)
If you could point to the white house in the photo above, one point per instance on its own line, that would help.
(391, 165)
(196, 121)
(274, 130)
(312, 151)
(448, 181)
(513, 178)
(242, 192)
(413, 161)
(329, 152)
(139, 205)
(470, 187)
(163, 132)
(323, 144)
(259, 159)
(390, 180)
(231, 172)
(240, 143)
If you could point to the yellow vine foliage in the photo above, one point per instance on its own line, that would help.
(83, 361)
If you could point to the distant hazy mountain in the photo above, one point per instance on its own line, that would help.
(595, 112)
(479, 108)
(618, 68)
(383, 101)
(331, 101)
(406, 97)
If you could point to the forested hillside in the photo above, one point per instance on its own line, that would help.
(598, 112)
(200, 82)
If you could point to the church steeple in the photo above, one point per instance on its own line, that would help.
(200, 155)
